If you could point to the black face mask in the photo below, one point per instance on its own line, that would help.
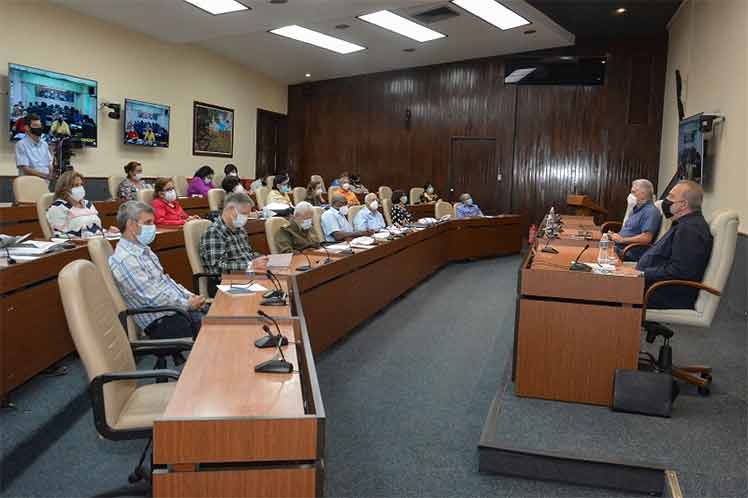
(666, 204)
(36, 131)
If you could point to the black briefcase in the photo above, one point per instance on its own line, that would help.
(647, 393)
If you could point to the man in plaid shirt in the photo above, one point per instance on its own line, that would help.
(224, 247)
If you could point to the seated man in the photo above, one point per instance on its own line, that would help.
(346, 190)
(142, 281)
(642, 225)
(682, 253)
(298, 235)
(369, 218)
(335, 225)
(224, 246)
(466, 208)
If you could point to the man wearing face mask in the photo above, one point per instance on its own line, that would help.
(466, 208)
(335, 225)
(224, 247)
(683, 252)
(142, 281)
(32, 151)
(369, 218)
(298, 235)
(643, 223)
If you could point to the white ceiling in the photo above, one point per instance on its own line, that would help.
(244, 37)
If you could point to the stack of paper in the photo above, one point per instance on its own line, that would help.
(241, 288)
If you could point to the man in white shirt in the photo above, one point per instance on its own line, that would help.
(335, 224)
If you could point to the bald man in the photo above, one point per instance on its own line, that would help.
(682, 253)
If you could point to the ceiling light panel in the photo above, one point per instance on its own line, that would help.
(518, 75)
(400, 25)
(493, 12)
(318, 39)
(216, 7)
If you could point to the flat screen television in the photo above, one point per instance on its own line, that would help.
(691, 149)
(66, 105)
(146, 124)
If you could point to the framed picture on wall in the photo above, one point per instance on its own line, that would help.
(212, 130)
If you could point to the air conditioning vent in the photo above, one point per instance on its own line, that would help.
(435, 15)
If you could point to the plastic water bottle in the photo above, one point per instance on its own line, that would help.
(603, 255)
(250, 271)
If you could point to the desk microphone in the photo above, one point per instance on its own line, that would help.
(275, 365)
(547, 247)
(576, 265)
(276, 297)
(328, 259)
(270, 340)
(307, 266)
(278, 288)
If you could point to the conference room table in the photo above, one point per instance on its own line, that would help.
(230, 431)
(574, 329)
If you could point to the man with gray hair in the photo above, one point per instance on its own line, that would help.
(298, 235)
(682, 253)
(224, 247)
(643, 223)
(144, 284)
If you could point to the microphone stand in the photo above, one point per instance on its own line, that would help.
(306, 267)
(275, 365)
(328, 259)
(276, 297)
(547, 248)
(577, 266)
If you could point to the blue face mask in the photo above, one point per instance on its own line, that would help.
(147, 234)
(285, 189)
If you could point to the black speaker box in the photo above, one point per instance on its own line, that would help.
(647, 393)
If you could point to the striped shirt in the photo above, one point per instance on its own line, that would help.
(142, 282)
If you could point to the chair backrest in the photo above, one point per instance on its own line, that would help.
(28, 189)
(262, 196)
(269, 182)
(180, 185)
(215, 199)
(387, 209)
(218, 179)
(317, 222)
(352, 212)
(724, 228)
(272, 226)
(415, 195)
(443, 208)
(146, 195)
(99, 250)
(97, 333)
(42, 205)
(318, 178)
(193, 230)
(113, 183)
(385, 192)
(299, 194)
(665, 224)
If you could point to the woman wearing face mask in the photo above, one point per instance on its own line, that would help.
(280, 191)
(128, 188)
(201, 182)
(166, 209)
(369, 218)
(233, 185)
(314, 194)
(429, 194)
(346, 190)
(400, 214)
(71, 215)
(231, 170)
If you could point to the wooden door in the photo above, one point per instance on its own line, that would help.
(473, 168)
(272, 143)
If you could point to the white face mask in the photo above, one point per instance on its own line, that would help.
(233, 174)
(430, 190)
(170, 195)
(77, 193)
(207, 180)
(632, 200)
(403, 199)
(343, 210)
(239, 189)
(346, 186)
(306, 224)
(374, 205)
(240, 220)
(138, 176)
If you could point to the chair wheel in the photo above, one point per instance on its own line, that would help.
(138, 475)
(704, 390)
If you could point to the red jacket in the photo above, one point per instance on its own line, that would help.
(168, 215)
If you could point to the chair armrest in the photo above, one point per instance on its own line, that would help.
(161, 347)
(683, 283)
(631, 246)
(153, 309)
(196, 280)
(96, 390)
(605, 227)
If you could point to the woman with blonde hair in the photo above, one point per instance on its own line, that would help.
(71, 215)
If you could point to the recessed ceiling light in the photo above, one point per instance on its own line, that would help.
(493, 12)
(318, 39)
(216, 7)
(307, 75)
(621, 10)
(566, 58)
(400, 25)
(518, 74)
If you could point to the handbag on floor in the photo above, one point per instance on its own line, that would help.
(643, 392)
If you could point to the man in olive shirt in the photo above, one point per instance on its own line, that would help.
(298, 235)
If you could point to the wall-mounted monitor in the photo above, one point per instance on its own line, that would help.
(691, 149)
(146, 124)
(66, 105)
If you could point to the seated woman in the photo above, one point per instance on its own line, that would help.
(201, 182)
(231, 170)
(233, 185)
(314, 194)
(357, 186)
(166, 209)
(369, 218)
(279, 193)
(71, 216)
(259, 182)
(346, 190)
(400, 214)
(128, 188)
(466, 208)
(429, 195)
(298, 235)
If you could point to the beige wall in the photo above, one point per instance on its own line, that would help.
(709, 45)
(133, 65)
